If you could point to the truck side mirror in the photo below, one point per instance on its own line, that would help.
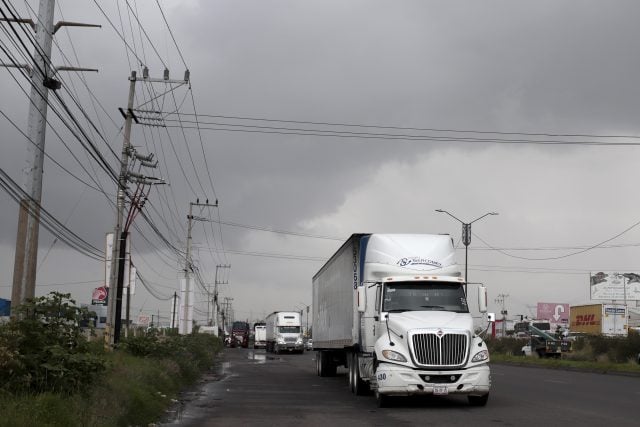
(482, 299)
(491, 317)
(362, 299)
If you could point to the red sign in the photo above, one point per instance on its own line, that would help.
(553, 312)
(99, 296)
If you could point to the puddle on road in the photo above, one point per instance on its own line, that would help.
(260, 358)
(194, 405)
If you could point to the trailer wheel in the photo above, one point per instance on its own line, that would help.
(478, 400)
(327, 367)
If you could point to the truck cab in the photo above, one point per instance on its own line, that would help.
(422, 340)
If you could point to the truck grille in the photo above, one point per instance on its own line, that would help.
(448, 349)
(290, 339)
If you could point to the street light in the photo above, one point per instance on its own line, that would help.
(466, 239)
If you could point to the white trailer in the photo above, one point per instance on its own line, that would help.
(259, 335)
(284, 332)
(392, 309)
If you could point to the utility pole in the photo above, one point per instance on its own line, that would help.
(185, 324)
(174, 310)
(500, 299)
(227, 310)
(217, 282)
(114, 311)
(26, 253)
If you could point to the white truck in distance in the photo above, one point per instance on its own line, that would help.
(284, 332)
(392, 309)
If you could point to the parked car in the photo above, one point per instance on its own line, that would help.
(309, 344)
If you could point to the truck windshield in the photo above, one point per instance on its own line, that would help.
(424, 296)
(289, 329)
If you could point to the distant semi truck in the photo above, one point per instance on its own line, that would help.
(259, 335)
(392, 309)
(239, 334)
(284, 332)
(599, 319)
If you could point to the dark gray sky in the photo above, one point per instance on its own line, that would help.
(557, 67)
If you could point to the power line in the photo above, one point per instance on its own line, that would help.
(560, 256)
(423, 129)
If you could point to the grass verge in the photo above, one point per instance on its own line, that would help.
(578, 365)
(134, 391)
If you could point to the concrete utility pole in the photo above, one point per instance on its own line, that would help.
(500, 299)
(185, 324)
(118, 258)
(26, 253)
(214, 317)
(112, 335)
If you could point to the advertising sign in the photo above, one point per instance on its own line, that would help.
(553, 312)
(144, 319)
(615, 286)
(100, 296)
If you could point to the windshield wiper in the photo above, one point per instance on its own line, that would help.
(398, 310)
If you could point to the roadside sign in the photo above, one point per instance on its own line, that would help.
(100, 296)
(553, 312)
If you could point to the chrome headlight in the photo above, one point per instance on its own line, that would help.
(393, 355)
(299, 341)
(480, 356)
(280, 340)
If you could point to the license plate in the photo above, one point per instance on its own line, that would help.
(440, 389)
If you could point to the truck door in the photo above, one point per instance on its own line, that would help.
(368, 318)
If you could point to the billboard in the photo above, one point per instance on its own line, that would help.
(615, 286)
(100, 296)
(553, 312)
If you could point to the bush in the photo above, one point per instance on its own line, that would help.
(45, 350)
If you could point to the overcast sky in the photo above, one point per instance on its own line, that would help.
(550, 67)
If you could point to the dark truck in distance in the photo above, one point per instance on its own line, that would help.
(239, 335)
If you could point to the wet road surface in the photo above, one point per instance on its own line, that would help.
(253, 388)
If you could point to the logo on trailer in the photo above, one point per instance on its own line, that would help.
(586, 320)
(418, 261)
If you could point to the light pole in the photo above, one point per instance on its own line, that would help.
(466, 239)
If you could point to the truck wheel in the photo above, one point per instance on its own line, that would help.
(478, 400)
(327, 368)
(358, 387)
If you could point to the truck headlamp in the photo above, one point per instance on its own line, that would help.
(280, 340)
(480, 356)
(393, 355)
(299, 341)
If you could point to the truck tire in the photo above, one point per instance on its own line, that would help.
(478, 400)
(356, 384)
(326, 366)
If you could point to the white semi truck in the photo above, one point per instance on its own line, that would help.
(284, 332)
(392, 309)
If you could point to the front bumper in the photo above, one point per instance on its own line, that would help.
(290, 347)
(396, 380)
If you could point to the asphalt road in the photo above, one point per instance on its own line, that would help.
(253, 388)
